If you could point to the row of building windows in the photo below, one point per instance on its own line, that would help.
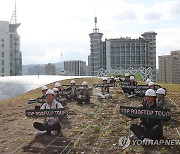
(127, 48)
(128, 44)
(127, 53)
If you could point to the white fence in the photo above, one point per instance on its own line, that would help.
(145, 72)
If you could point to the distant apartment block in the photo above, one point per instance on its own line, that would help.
(10, 54)
(121, 52)
(75, 68)
(50, 69)
(169, 67)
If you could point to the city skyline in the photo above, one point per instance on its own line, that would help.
(66, 25)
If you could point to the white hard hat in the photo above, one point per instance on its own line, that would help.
(127, 74)
(57, 84)
(147, 81)
(161, 91)
(112, 76)
(84, 83)
(150, 92)
(131, 77)
(44, 88)
(104, 79)
(150, 84)
(55, 90)
(72, 81)
(50, 92)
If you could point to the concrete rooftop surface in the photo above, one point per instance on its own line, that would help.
(12, 86)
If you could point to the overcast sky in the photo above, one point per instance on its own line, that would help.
(49, 26)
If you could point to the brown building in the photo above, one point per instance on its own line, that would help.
(50, 69)
(169, 67)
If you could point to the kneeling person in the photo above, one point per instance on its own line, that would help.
(104, 90)
(83, 96)
(51, 125)
(149, 128)
(161, 102)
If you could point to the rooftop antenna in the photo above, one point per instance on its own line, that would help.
(61, 55)
(14, 16)
(96, 30)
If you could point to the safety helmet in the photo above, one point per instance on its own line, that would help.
(50, 92)
(150, 84)
(44, 88)
(84, 83)
(150, 92)
(147, 81)
(127, 74)
(131, 77)
(112, 77)
(72, 81)
(57, 84)
(161, 91)
(55, 90)
(104, 79)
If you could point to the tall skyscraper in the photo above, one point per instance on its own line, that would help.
(10, 54)
(122, 52)
(151, 37)
(95, 39)
(169, 67)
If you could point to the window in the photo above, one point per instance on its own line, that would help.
(2, 70)
(2, 62)
(2, 45)
(2, 40)
(2, 54)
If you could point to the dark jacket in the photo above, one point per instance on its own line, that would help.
(149, 123)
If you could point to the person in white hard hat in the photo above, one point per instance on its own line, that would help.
(72, 82)
(59, 86)
(50, 124)
(56, 92)
(160, 100)
(149, 128)
(42, 99)
(83, 95)
(104, 90)
(126, 82)
(59, 98)
(147, 81)
(44, 90)
(72, 89)
(151, 85)
(127, 77)
(132, 83)
(112, 80)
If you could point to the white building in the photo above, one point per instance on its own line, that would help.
(10, 54)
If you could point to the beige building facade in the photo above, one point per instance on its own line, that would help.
(169, 67)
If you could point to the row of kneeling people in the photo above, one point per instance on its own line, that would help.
(81, 93)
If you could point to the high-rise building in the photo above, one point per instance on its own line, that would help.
(169, 67)
(151, 37)
(10, 54)
(95, 39)
(75, 68)
(122, 52)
